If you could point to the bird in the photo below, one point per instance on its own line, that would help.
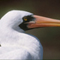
(14, 42)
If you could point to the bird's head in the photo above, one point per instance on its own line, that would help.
(26, 20)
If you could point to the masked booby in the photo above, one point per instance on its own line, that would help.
(14, 43)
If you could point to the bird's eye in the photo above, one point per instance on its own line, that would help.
(25, 18)
(28, 18)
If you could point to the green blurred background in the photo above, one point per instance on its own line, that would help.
(49, 37)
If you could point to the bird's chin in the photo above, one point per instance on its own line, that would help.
(24, 27)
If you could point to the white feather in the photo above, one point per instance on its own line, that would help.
(14, 43)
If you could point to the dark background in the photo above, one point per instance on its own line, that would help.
(49, 37)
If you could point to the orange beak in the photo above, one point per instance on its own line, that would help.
(44, 22)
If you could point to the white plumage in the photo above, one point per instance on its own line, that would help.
(14, 43)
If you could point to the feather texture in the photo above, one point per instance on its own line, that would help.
(14, 43)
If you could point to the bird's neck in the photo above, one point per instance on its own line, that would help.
(9, 29)
(7, 33)
(12, 38)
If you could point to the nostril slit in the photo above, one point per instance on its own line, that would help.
(0, 45)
